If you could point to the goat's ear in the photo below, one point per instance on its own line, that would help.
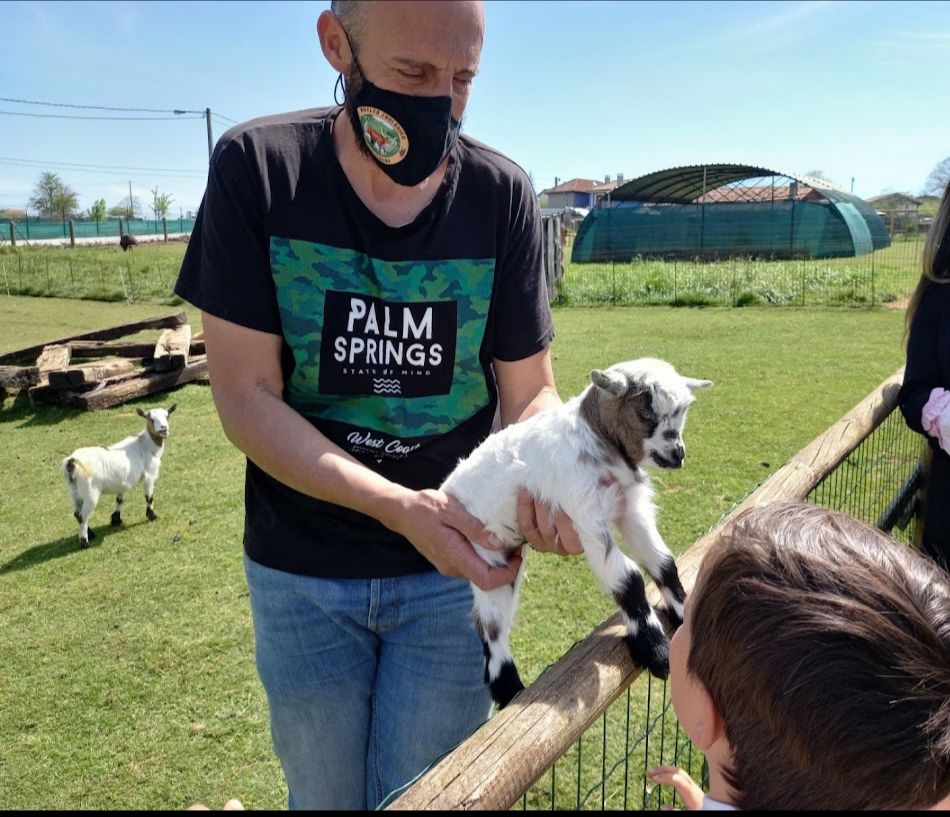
(140, 413)
(692, 383)
(172, 407)
(610, 382)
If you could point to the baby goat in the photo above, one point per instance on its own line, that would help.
(586, 457)
(93, 471)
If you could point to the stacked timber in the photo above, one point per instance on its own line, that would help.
(96, 370)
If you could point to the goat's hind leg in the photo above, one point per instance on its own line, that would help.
(117, 513)
(493, 615)
(619, 575)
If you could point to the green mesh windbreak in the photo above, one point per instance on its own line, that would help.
(780, 229)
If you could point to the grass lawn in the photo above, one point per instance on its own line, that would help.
(129, 677)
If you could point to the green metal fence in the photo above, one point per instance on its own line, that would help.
(37, 229)
(883, 276)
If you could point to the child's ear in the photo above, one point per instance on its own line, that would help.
(708, 726)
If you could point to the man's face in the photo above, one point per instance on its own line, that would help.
(420, 48)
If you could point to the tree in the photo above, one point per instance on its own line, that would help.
(53, 197)
(819, 174)
(98, 210)
(160, 203)
(938, 179)
(122, 208)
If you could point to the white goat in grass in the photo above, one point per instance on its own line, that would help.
(586, 457)
(96, 470)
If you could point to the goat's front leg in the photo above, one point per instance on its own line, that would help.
(643, 541)
(619, 575)
(149, 497)
(493, 614)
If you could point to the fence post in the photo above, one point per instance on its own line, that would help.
(165, 227)
(13, 233)
(72, 233)
(121, 231)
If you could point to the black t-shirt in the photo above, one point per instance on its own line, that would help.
(389, 332)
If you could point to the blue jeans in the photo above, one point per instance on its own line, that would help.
(368, 681)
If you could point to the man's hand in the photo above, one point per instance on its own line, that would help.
(545, 529)
(440, 529)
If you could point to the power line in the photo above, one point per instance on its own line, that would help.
(89, 107)
(176, 111)
(92, 166)
(123, 118)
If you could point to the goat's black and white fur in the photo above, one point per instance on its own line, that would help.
(587, 457)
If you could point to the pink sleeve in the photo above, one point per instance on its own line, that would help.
(937, 408)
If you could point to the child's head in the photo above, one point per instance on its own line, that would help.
(820, 649)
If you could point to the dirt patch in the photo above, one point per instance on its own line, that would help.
(900, 303)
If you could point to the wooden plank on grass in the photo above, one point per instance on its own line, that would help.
(171, 351)
(89, 373)
(114, 394)
(53, 358)
(28, 353)
(143, 349)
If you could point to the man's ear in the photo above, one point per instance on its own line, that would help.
(708, 726)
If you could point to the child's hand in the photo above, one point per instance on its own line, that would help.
(685, 786)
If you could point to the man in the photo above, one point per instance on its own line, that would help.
(371, 291)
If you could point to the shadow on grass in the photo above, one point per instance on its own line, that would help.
(23, 415)
(67, 546)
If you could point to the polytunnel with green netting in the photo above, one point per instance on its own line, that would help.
(722, 211)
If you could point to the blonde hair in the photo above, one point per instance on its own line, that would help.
(936, 261)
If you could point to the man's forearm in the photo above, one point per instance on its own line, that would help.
(545, 398)
(287, 447)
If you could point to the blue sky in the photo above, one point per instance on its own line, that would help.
(855, 89)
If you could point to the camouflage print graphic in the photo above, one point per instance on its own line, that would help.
(303, 273)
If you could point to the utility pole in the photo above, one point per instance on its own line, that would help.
(130, 203)
(208, 120)
(207, 115)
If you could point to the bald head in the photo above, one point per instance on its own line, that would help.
(416, 47)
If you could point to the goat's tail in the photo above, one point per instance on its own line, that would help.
(70, 465)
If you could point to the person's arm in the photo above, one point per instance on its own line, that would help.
(247, 387)
(922, 372)
(684, 785)
(526, 387)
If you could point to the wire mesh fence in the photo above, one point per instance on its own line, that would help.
(885, 275)
(143, 274)
(605, 769)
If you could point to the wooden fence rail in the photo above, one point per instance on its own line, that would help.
(503, 759)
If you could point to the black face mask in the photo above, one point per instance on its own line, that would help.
(408, 136)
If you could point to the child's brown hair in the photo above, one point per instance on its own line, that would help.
(825, 645)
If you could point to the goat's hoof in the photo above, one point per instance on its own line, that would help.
(506, 685)
(84, 543)
(116, 519)
(151, 515)
(651, 649)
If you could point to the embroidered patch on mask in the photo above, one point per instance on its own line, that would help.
(383, 135)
